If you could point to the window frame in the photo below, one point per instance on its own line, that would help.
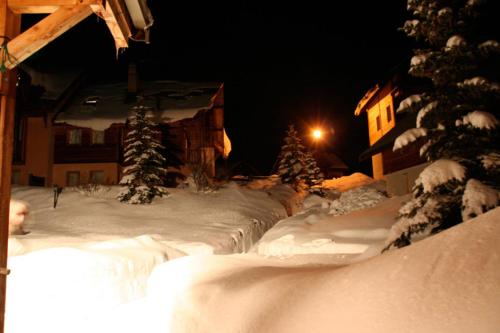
(74, 172)
(69, 136)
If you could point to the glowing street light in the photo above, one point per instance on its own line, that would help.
(317, 134)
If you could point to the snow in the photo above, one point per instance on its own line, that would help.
(356, 199)
(410, 26)
(479, 119)
(418, 60)
(321, 230)
(216, 220)
(181, 100)
(447, 283)
(490, 161)
(477, 198)
(426, 109)
(96, 265)
(354, 180)
(18, 210)
(493, 44)
(445, 11)
(408, 136)
(475, 81)
(454, 42)
(440, 172)
(408, 102)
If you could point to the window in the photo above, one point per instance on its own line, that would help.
(96, 177)
(75, 136)
(389, 113)
(16, 177)
(72, 178)
(97, 137)
(379, 126)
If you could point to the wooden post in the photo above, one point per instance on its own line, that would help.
(9, 27)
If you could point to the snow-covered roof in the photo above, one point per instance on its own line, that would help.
(99, 106)
(55, 81)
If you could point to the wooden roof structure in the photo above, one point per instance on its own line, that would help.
(126, 19)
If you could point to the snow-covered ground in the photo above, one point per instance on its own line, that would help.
(96, 265)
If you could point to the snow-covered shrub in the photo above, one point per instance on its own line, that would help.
(92, 190)
(200, 176)
(356, 199)
(457, 119)
(142, 178)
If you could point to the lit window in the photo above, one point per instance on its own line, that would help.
(379, 126)
(96, 177)
(75, 136)
(97, 137)
(389, 113)
(72, 178)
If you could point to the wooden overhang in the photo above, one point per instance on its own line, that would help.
(123, 19)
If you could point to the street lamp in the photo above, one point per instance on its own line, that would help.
(317, 134)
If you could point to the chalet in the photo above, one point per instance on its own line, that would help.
(399, 168)
(330, 164)
(80, 140)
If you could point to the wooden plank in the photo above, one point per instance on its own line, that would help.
(39, 6)
(45, 31)
(114, 13)
(10, 25)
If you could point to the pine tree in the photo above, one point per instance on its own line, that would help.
(313, 176)
(457, 120)
(142, 178)
(291, 159)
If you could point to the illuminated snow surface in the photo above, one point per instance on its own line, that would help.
(96, 265)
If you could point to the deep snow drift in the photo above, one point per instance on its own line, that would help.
(449, 282)
(96, 265)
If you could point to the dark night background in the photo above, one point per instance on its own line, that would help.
(281, 63)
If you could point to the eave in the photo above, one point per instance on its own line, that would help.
(64, 14)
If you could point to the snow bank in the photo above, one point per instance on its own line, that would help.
(52, 289)
(449, 282)
(354, 180)
(93, 255)
(226, 221)
(317, 231)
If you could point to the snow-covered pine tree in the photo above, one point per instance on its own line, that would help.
(313, 176)
(457, 119)
(291, 159)
(142, 178)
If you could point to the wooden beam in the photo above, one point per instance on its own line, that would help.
(43, 6)
(114, 13)
(10, 25)
(45, 31)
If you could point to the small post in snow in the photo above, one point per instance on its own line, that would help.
(57, 191)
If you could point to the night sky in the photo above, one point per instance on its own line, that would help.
(281, 63)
